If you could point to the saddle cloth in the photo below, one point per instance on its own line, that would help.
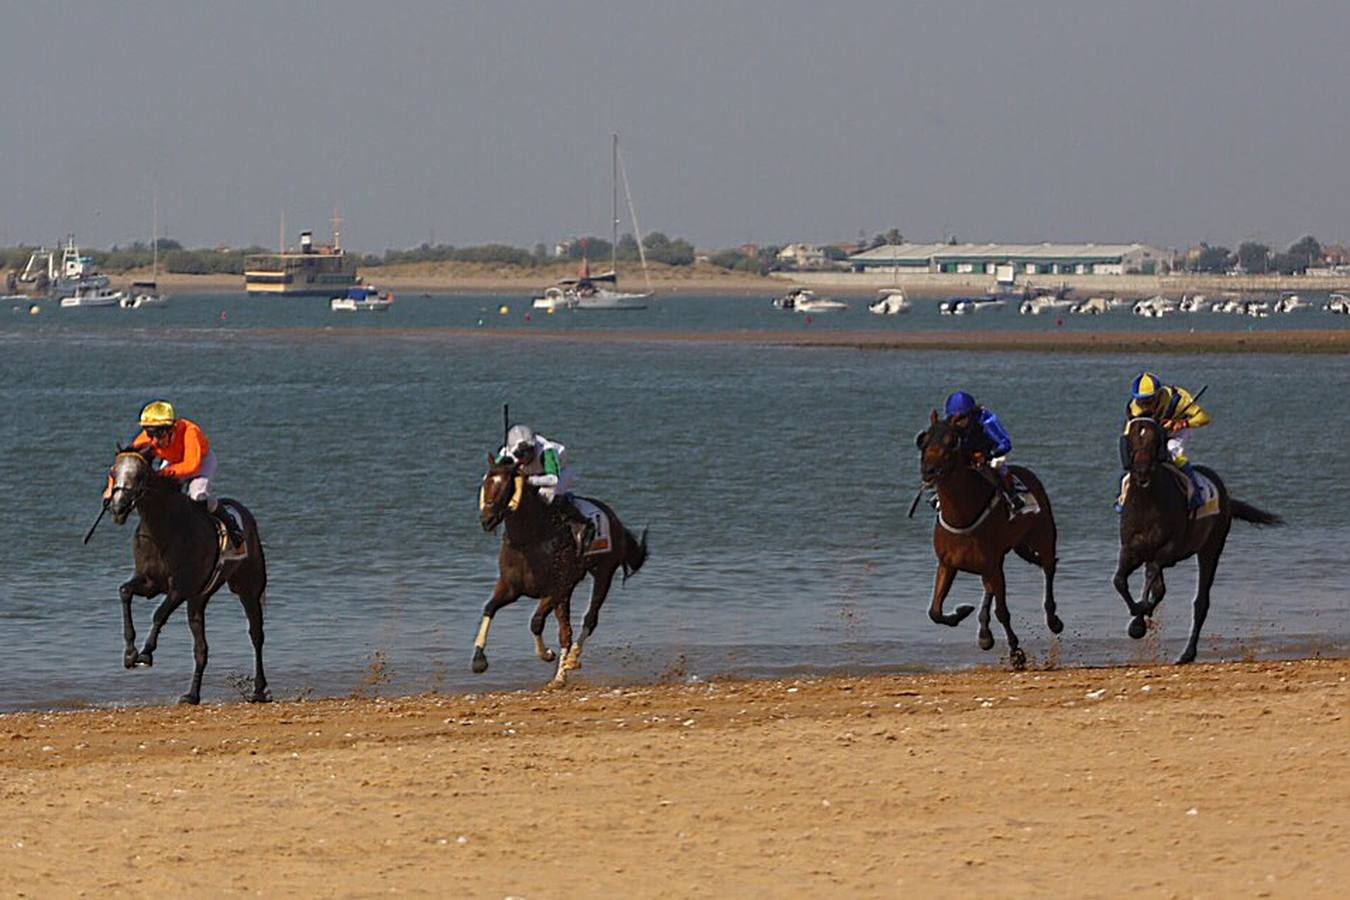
(602, 540)
(1030, 506)
(1206, 503)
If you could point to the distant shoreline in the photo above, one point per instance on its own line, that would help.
(704, 280)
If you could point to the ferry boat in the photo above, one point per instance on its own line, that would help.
(315, 270)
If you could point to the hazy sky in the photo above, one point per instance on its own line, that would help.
(1165, 122)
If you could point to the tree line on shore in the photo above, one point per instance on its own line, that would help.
(1250, 257)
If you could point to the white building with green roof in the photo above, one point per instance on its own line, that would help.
(1019, 259)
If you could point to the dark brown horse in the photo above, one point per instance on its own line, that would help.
(1157, 530)
(539, 559)
(973, 534)
(178, 554)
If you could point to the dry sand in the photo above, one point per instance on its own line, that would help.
(1215, 781)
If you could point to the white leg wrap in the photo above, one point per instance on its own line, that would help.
(481, 642)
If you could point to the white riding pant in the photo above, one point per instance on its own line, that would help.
(199, 488)
(1176, 444)
(998, 462)
(561, 489)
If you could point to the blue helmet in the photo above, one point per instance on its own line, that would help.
(960, 404)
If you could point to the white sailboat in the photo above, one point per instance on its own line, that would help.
(601, 292)
(147, 293)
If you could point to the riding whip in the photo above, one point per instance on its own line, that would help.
(917, 497)
(96, 521)
(506, 422)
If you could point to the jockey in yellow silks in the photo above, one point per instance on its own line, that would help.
(1173, 407)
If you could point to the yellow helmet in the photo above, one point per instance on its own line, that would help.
(158, 414)
(1146, 385)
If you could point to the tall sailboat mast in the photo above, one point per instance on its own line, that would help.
(614, 207)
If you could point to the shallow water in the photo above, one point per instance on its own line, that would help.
(774, 480)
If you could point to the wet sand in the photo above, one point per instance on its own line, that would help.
(1206, 780)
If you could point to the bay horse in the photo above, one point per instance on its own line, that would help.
(1158, 531)
(973, 534)
(539, 559)
(178, 554)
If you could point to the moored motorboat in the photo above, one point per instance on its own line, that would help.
(361, 299)
(90, 295)
(891, 302)
(804, 300)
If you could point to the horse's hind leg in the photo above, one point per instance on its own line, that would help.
(562, 609)
(1209, 565)
(196, 622)
(537, 629)
(253, 609)
(599, 591)
(999, 586)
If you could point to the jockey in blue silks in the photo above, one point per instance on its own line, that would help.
(985, 443)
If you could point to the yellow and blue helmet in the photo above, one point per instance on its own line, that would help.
(1146, 386)
(158, 414)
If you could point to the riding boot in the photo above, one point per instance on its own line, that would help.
(236, 547)
(583, 529)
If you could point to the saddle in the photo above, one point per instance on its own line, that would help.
(232, 543)
(592, 531)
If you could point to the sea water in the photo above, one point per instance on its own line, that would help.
(774, 481)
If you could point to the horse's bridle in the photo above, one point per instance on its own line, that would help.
(508, 498)
(1159, 448)
(138, 492)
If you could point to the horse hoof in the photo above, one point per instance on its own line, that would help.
(548, 656)
(556, 684)
(1018, 658)
(190, 699)
(1185, 658)
(572, 665)
(1053, 621)
(263, 696)
(986, 641)
(479, 661)
(145, 660)
(1137, 627)
(129, 661)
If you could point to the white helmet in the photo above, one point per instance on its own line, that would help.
(520, 441)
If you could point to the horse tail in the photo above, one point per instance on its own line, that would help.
(635, 554)
(1248, 513)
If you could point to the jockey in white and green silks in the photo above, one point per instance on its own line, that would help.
(544, 463)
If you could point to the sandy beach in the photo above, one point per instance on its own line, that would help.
(1211, 780)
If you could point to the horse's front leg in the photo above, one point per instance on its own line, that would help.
(1155, 588)
(172, 600)
(537, 629)
(196, 622)
(998, 586)
(1125, 567)
(562, 609)
(502, 595)
(941, 586)
(599, 590)
(138, 585)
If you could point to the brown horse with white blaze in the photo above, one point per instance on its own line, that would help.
(540, 559)
(974, 534)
